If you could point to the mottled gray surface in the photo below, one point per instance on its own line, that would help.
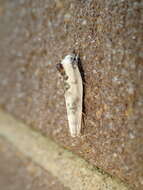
(20, 173)
(108, 35)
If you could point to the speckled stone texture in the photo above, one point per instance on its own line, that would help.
(35, 35)
(20, 173)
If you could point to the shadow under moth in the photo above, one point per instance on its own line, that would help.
(73, 87)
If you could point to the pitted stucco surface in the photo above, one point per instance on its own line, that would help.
(20, 173)
(72, 171)
(108, 35)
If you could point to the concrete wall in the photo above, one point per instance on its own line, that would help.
(69, 170)
(108, 36)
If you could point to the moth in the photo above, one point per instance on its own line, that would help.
(73, 87)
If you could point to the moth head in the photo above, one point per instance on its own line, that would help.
(69, 59)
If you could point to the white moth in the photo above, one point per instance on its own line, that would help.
(73, 92)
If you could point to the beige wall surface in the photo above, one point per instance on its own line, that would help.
(108, 36)
(66, 168)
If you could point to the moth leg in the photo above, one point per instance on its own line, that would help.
(83, 114)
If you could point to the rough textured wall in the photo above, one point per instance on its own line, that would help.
(108, 35)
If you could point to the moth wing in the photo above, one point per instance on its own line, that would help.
(73, 99)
